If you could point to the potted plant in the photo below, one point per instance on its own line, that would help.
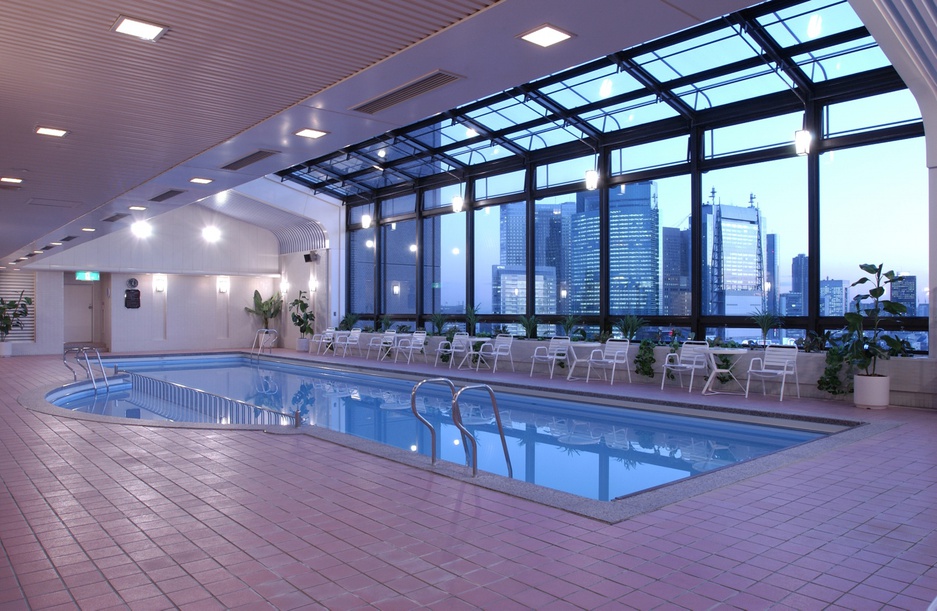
(471, 318)
(865, 342)
(303, 318)
(11, 314)
(766, 321)
(266, 309)
(630, 325)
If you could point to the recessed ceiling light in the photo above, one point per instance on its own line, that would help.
(89, 229)
(546, 35)
(138, 29)
(201, 181)
(55, 243)
(10, 179)
(38, 252)
(51, 131)
(311, 133)
(138, 208)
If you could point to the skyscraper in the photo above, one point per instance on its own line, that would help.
(832, 297)
(772, 289)
(733, 271)
(675, 272)
(799, 281)
(905, 292)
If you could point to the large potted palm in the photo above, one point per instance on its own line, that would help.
(12, 313)
(303, 317)
(865, 342)
(267, 309)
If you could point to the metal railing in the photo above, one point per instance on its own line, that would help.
(264, 338)
(84, 351)
(168, 398)
(467, 436)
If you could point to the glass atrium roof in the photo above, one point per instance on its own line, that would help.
(786, 49)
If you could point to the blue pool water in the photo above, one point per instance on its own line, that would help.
(567, 444)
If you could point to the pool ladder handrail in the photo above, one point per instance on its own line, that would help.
(457, 421)
(263, 340)
(83, 351)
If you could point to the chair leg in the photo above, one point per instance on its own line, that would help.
(783, 378)
(748, 382)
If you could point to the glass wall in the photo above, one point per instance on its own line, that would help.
(444, 264)
(398, 270)
(501, 259)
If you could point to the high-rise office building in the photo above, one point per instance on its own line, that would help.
(772, 277)
(733, 268)
(676, 272)
(799, 277)
(905, 292)
(832, 297)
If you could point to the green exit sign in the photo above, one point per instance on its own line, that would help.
(87, 276)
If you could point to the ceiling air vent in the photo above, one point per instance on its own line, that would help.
(116, 217)
(168, 194)
(422, 85)
(243, 162)
(69, 238)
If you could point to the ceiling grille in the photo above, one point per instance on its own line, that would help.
(166, 195)
(243, 162)
(409, 91)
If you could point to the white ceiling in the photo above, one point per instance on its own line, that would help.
(235, 77)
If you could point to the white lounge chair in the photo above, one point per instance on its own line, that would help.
(411, 345)
(384, 344)
(693, 356)
(556, 351)
(614, 354)
(458, 345)
(322, 341)
(501, 346)
(779, 362)
(352, 340)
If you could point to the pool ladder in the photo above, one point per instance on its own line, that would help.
(457, 420)
(264, 338)
(85, 352)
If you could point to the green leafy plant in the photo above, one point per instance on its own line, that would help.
(529, 323)
(814, 342)
(629, 325)
(438, 321)
(266, 308)
(471, 318)
(301, 315)
(348, 322)
(404, 329)
(386, 322)
(766, 321)
(644, 360)
(12, 313)
(569, 323)
(834, 379)
(865, 341)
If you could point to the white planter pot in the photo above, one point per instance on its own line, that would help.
(302, 344)
(6, 349)
(871, 392)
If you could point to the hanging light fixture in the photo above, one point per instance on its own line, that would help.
(365, 220)
(802, 140)
(592, 180)
(457, 203)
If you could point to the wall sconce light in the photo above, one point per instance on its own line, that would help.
(396, 289)
(223, 283)
(284, 287)
(211, 234)
(457, 203)
(802, 140)
(592, 180)
(313, 285)
(159, 283)
(365, 220)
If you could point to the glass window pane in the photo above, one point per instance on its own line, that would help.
(597, 85)
(398, 253)
(566, 256)
(444, 264)
(502, 184)
(564, 172)
(754, 135)
(355, 214)
(501, 259)
(866, 114)
(755, 239)
(858, 217)
(442, 197)
(629, 114)
(697, 54)
(651, 155)
(733, 87)
(361, 254)
(842, 60)
(405, 204)
(810, 21)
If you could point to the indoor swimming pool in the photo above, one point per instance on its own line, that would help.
(570, 443)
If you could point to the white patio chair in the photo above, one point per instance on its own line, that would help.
(615, 354)
(322, 341)
(494, 351)
(779, 362)
(458, 346)
(411, 345)
(556, 351)
(384, 344)
(352, 340)
(693, 356)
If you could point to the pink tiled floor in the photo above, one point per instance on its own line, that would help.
(102, 516)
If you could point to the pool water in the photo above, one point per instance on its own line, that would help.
(588, 449)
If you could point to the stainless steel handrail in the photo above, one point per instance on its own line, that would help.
(432, 430)
(467, 436)
(264, 338)
(83, 351)
(494, 404)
